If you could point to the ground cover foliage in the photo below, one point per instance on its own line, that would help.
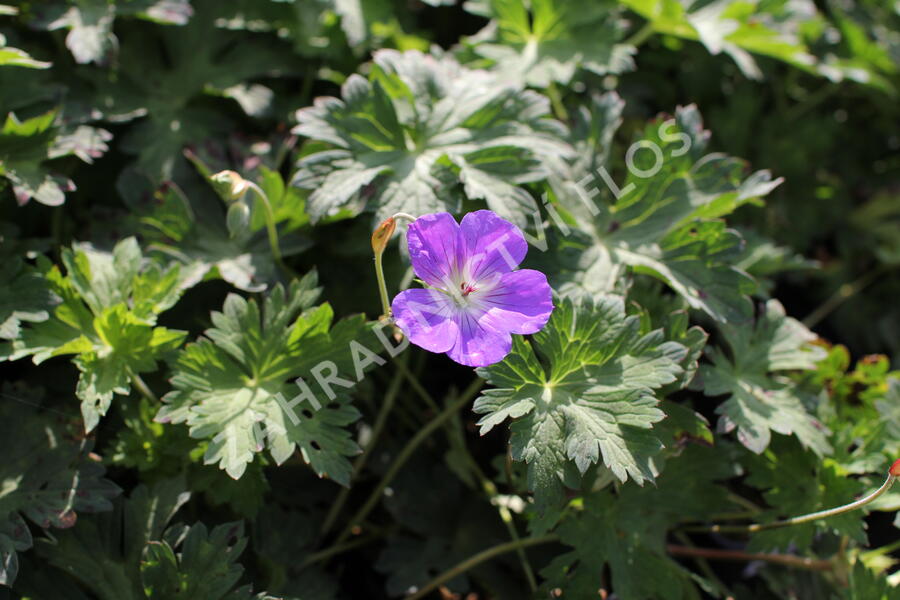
(711, 189)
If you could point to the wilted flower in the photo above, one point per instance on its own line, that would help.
(474, 299)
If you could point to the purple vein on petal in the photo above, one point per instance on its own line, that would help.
(432, 247)
(489, 244)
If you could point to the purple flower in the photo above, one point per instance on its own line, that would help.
(474, 299)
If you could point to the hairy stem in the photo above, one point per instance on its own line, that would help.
(506, 516)
(822, 514)
(142, 387)
(703, 565)
(389, 398)
(490, 490)
(477, 559)
(844, 293)
(270, 227)
(405, 454)
(559, 109)
(418, 387)
(380, 238)
(336, 549)
(382, 286)
(487, 485)
(787, 560)
(641, 35)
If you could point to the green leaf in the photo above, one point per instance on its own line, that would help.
(865, 584)
(197, 236)
(288, 203)
(420, 123)
(14, 57)
(129, 554)
(664, 220)
(591, 399)
(278, 533)
(170, 12)
(626, 533)
(48, 478)
(169, 91)
(734, 28)
(235, 387)
(127, 346)
(760, 399)
(764, 260)
(552, 40)
(410, 562)
(863, 412)
(149, 447)
(244, 496)
(90, 37)
(106, 317)
(796, 482)
(85, 142)
(336, 30)
(24, 145)
(89, 23)
(103, 553)
(889, 408)
(205, 569)
(24, 296)
(437, 531)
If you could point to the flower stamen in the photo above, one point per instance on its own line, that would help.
(466, 288)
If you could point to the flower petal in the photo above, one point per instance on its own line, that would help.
(478, 344)
(426, 317)
(489, 244)
(432, 242)
(521, 302)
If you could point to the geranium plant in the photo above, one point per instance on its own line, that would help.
(319, 299)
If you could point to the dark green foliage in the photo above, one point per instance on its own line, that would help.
(199, 399)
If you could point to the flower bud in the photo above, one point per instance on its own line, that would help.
(238, 218)
(895, 468)
(382, 235)
(230, 185)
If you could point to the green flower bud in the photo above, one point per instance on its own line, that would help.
(229, 185)
(238, 218)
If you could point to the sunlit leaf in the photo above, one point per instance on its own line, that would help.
(419, 125)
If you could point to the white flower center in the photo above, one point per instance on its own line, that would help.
(466, 290)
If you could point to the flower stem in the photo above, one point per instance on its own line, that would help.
(492, 493)
(405, 455)
(787, 560)
(336, 549)
(559, 108)
(822, 514)
(380, 421)
(382, 286)
(641, 35)
(270, 226)
(477, 559)
(380, 238)
(418, 387)
(143, 388)
(487, 485)
(703, 564)
(844, 293)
